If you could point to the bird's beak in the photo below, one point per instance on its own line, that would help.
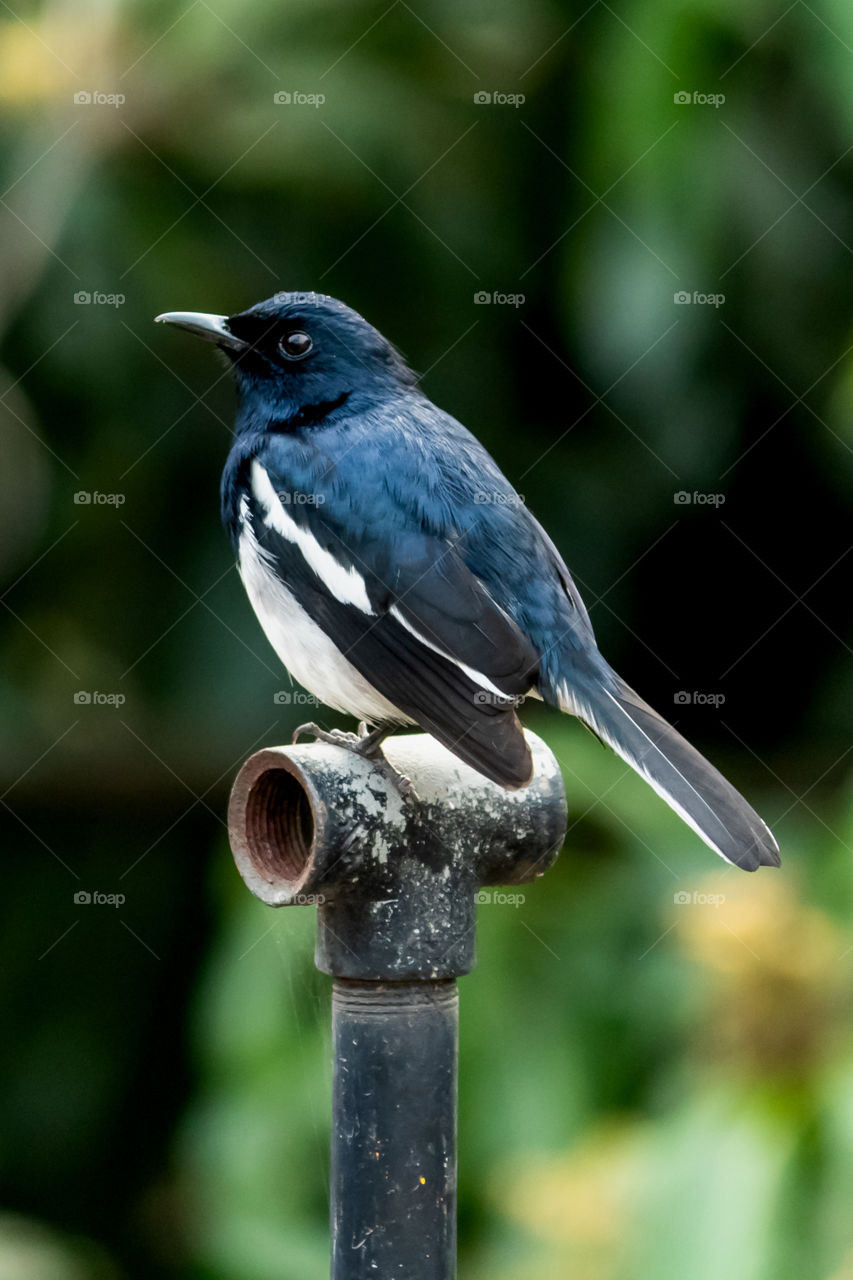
(210, 328)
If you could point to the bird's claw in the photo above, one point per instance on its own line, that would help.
(335, 737)
(366, 743)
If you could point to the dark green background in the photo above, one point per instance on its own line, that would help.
(649, 1089)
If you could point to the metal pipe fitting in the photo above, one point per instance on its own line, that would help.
(394, 876)
(394, 871)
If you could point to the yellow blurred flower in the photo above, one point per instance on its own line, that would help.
(575, 1203)
(45, 59)
(777, 969)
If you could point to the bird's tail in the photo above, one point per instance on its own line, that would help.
(687, 782)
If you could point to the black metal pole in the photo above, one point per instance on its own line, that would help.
(393, 1183)
(394, 874)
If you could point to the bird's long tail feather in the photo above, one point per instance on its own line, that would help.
(678, 773)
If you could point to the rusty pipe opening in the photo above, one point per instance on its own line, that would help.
(275, 820)
(319, 819)
(279, 826)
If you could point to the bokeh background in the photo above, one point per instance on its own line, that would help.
(657, 1050)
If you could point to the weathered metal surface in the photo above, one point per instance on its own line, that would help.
(394, 877)
(393, 1175)
(395, 873)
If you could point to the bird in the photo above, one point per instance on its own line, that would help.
(401, 578)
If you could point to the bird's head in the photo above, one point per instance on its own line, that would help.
(297, 350)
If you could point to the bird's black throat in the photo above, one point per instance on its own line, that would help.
(310, 415)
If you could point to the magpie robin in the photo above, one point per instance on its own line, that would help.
(401, 579)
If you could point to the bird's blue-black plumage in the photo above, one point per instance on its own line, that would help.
(396, 534)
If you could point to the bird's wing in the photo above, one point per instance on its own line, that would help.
(412, 619)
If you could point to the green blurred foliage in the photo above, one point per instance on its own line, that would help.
(649, 1088)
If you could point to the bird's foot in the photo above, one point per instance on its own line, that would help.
(367, 743)
(335, 737)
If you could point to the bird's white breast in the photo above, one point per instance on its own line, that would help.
(307, 652)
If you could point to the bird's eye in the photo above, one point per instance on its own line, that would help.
(295, 345)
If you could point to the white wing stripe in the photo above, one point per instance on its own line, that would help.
(346, 585)
(483, 681)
